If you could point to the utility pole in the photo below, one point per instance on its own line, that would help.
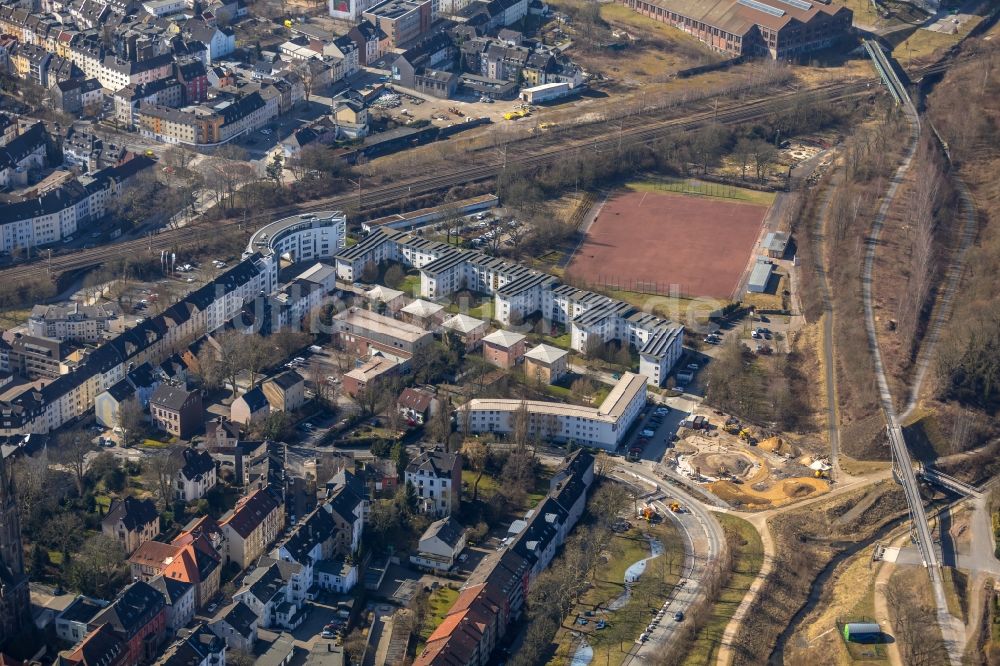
(503, 166)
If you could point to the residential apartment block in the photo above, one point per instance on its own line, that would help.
(520, 292)
(204, 125)
(82, 323)
(492, 599)
(74, 392)
(437, 478)
(603, 426)
(403, 21)
(252, 527)
(63, 211)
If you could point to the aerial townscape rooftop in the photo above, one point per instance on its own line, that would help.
(468, 332)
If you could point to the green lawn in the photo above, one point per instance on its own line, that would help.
(625, 624)
(925, 43)
(600, 394)
(438, 604)
(12, 318)
(487, 484)
(490, 484)
(747, 561)
(562, 341)
(559, 391)
(411, 285)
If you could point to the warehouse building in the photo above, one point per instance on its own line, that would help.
(776, 28)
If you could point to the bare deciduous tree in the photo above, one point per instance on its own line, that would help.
(72, 447)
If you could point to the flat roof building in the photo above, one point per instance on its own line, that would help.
(363, 332)
(760, 276)
(403, 21)
(775, 244)
(603, 426)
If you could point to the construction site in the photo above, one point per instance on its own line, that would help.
(743, 467)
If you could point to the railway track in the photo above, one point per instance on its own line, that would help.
(637, 130)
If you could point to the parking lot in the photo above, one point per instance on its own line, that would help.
(654, 435)
(479, 230)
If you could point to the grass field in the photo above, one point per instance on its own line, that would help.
(562, 341)
(12, 318)
(747, 561)
(438, 604)
(411, 285)
(677, 308)
(702, 188)
(484, 310)
(851, 597)
(490, 484)
(657, 51)
(625, 624)
(923, 43)
(864, 13)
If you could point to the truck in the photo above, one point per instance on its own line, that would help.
(517, 113)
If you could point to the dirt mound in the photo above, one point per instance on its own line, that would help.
(797, 489)
(721, 464)
(760, 496)
(779, 447)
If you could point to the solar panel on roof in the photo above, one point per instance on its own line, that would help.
(761, 7)
(798, 4)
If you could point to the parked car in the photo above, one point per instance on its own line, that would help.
(678, 616)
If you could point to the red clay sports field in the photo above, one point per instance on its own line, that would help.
(648, 241)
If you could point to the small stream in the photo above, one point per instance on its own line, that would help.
(818, 585)
(584, 652)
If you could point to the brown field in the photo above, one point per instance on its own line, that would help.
(651, 241)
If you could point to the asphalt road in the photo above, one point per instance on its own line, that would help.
(703, 543)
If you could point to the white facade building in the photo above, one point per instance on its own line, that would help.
(518, 292)
(603, 426)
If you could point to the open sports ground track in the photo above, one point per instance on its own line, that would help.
(667, 243)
